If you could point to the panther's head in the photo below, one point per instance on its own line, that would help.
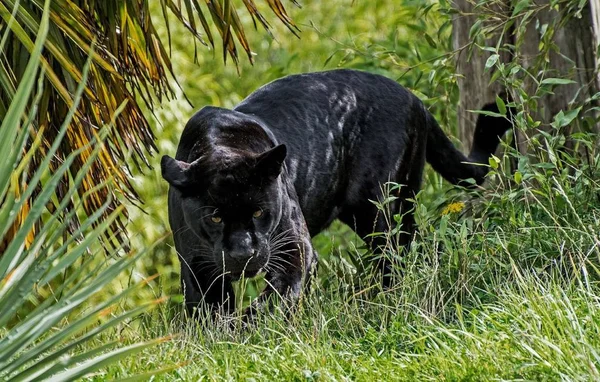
(232, 201)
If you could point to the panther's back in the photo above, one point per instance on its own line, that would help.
(346, 132)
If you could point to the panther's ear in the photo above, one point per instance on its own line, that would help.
(268, 164)
(174, 171)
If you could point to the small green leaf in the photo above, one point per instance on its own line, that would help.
(475, 28)
(430, 41)
(556, 81)
(495, 76)
(563, 119)
(551, 155)
(520, 6)
(494, 161)
(501, 105)
(518, 177)
(491, 61)
(485, 112)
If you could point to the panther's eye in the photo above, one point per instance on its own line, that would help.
(257, 213)
(216, 218)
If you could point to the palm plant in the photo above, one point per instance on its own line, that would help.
(129, 68)
(73, 78)
(31, 348)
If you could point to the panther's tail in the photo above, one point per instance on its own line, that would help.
(453, 165)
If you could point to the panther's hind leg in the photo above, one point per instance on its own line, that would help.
(391, 240)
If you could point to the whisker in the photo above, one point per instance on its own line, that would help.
(281, 245)
(184, 261)
(287, 252)
(282, 261)
(279, 235)
(277, 246)
(275, 268)
(182, 230)
(282, 238)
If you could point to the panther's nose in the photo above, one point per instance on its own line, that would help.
(241, 247)
(241, 255)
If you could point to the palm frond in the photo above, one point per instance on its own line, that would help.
(130, 68)
(44, 344)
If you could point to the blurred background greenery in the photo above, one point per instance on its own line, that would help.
(504, 284)
(405, 40)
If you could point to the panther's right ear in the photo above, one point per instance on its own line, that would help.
(174, 171)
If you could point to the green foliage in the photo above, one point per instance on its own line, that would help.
(378, 36)
(47, 276)
(501, 287)
(130, 69)
(500, 282)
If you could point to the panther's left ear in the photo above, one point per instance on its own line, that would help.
(268, 164)
(174, 171)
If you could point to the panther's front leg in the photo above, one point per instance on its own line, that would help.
(200, 288)
(291, 258)
(288, 271)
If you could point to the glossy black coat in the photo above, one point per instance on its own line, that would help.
(342, 135)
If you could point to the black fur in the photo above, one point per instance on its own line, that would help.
(342, 134)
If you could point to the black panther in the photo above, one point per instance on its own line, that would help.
(250, 186)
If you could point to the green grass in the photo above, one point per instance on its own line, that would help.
(482, 296)
(506, 289)
(534, 327)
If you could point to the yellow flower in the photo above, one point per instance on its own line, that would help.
(453, 207)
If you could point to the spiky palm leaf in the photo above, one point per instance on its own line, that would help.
(129, 64)
(42, 345)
